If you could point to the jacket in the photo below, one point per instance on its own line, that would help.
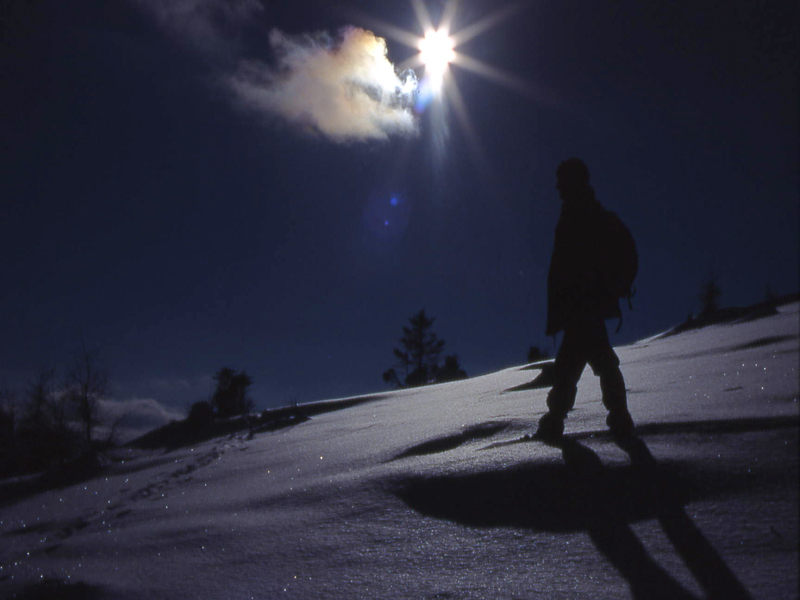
(576, 290)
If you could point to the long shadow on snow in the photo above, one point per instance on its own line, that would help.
(712, 427)
(545, 379)
(52, 588)
(582, 494)
(453, 441)
(756, 343)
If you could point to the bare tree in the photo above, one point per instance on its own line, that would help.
(87, 382)
(41, 400)
(8, 413)
(8, 427)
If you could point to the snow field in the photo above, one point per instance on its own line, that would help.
(434, 493)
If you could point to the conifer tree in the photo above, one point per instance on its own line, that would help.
(230, 396)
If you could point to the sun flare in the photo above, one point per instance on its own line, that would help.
(436, 51)
(438, 90)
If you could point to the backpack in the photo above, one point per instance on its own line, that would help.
(620, 258)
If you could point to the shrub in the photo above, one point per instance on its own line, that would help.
(201, 415)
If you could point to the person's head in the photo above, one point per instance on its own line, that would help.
(573, 180)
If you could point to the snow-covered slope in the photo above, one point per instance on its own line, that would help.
(435, 493)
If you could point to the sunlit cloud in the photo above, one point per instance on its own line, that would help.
(344, 88)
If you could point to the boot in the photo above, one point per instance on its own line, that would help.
(620, 423)
(551, 428)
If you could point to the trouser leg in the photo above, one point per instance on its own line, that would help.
(605, 364)
(612, 384)
(561, 399)
(569, 364)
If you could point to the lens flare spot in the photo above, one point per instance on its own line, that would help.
(386, 218)
(425, 96)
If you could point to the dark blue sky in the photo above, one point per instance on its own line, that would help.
(140, 205)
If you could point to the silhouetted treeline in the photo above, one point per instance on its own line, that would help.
(229, 399)
(709, 296)
(418, 357)
(731, 314)
(535, 354)
(55, 420)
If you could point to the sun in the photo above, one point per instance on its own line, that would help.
(436, 52)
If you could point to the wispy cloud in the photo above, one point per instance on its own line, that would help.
(207, 25)
(137, 415)
(344, 88)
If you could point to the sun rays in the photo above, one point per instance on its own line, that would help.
(437, 52)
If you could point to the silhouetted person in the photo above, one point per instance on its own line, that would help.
(579, 300)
